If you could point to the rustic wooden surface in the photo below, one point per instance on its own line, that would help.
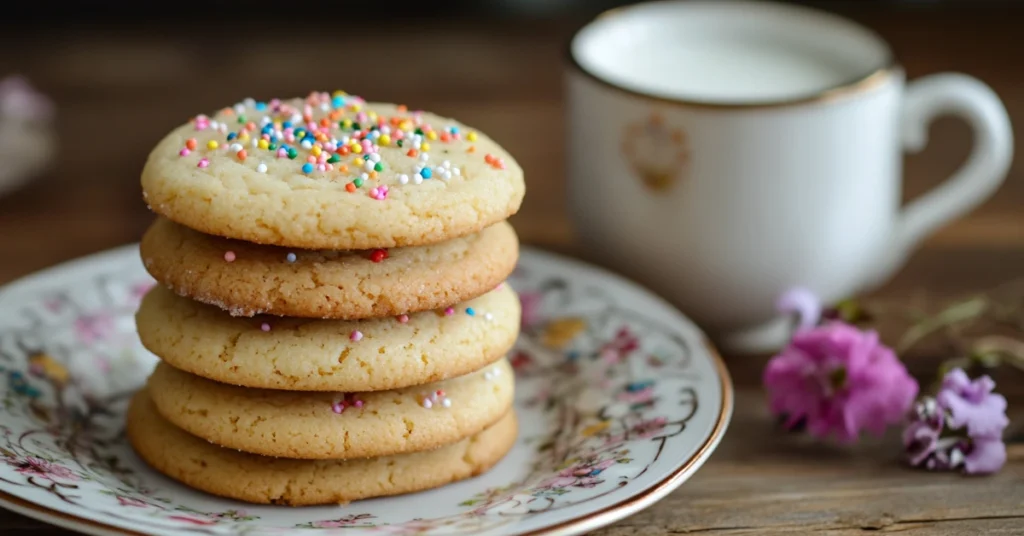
(119, 90)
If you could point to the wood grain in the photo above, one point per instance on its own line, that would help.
(118, 90)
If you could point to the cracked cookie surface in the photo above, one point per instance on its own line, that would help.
(311, 425)
(259, 479)
(331, 172)
(327, 284)
(321, 355)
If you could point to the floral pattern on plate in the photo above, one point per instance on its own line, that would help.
(619, 400)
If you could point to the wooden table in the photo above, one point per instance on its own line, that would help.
(119, 91)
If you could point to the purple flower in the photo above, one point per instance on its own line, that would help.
(961, 428)
(972, 404)
(921, 436)
(839, 380)
(20, 100)
(984, 456)
(803, 303)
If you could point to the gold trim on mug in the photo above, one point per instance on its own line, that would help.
(877, 77)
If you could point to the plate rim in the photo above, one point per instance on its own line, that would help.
(578, 525)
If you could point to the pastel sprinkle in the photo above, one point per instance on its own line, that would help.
(356, 336)
(229, 256)
(291, 257)
(488, 316)
(404, 319)
(437, 397)
(449, 311)
(323, 131)
(470, 311)
(265, 326)
(378, 255)
(347, 401)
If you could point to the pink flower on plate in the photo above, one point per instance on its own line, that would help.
(41, 468)
(93, 328)
(640, 396)
(648, 428)
(193, 520)
(346, 521)
(130, 501)
(620, 347)
(839, 380)
(582, 475)
(529, 303)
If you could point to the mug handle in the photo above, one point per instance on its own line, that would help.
(976, 180)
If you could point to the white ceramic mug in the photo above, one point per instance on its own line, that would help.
(723, 152)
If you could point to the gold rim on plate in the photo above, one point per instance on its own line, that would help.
(582, 524)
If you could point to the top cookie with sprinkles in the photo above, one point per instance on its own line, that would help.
(331, 171)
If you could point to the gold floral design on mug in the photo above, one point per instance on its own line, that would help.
(657, 153)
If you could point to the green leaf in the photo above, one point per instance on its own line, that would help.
(958, 312)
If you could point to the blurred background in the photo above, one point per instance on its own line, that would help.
(121, 74)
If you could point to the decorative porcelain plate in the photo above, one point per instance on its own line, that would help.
(619, 398)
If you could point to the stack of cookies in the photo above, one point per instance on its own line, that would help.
(332, 319)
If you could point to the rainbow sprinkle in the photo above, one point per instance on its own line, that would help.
(347, 401)
(332, 136)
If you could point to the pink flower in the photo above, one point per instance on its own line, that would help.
(640, 396)
(92, 328)
(39, 467)
(648, 428)
(529, 303)
(619, 348)
(582, 475)
(129, 501)
(193, 520)
(839, 381)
